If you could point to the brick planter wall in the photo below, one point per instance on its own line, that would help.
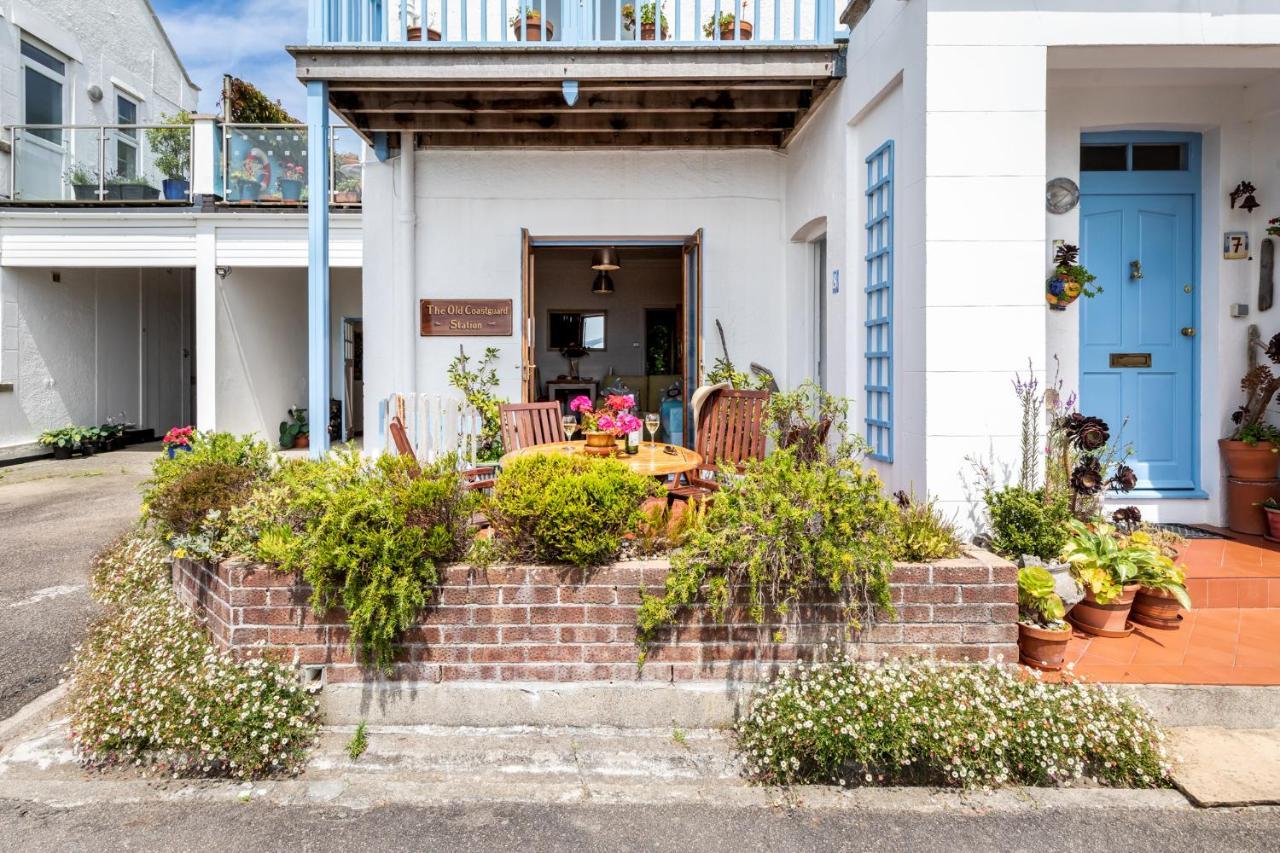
(553, 624)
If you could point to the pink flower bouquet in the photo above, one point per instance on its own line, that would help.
(613, 417)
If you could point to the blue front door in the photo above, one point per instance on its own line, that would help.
(1138, 232)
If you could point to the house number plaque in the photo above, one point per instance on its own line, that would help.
(475, 317)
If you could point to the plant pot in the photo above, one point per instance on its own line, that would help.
(290, 190)
(176, 189)
(744, 32)
(1042, 648)
(60, 452)
(302, 441)
(85, 192)
(1249, 462)
(1105, 620)
(88, 448)
(1272, 517)
(248, 190)
(1244, 499)
(175, 449)
(601, 443)
(415, 34)
(648, 32)
(532, 30)
(113, 192)
(1156, 608)
(347, 197)
(138, 192)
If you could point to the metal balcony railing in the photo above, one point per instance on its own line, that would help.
(489, 23)
(112, 163)
(269, 164)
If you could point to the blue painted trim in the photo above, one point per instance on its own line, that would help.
(318, 373)
(879, 301)
(1157, 495)
(1184, 182)
(381, 146)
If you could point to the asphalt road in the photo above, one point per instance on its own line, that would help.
(191, 827)
(54, 516)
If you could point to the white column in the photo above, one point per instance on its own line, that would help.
(205, 145)
(985, 255)
(406, 260)
(206, 327)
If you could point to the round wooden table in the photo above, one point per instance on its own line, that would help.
(652, 458)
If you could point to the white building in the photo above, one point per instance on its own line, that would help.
(116, 301)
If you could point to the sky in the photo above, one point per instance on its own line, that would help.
(241, 37)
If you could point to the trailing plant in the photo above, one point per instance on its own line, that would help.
(923, 722)
(477, 387)
(171, 145)
(922, 534)
(135, 565)
(294, 427)
(780, 533)
(1071, 280)
(1038, 603)
(566, 509)
(1027, 522)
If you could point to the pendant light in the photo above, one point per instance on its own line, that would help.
(603, 285)
(605, 260)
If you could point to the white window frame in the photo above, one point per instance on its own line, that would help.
(25, 62)
(128, 138)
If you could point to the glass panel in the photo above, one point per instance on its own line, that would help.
(348, 166)
(30, 51)
(1104, 158)
(267, 164)
(593, 331)
(1159, 158)
(43, 99)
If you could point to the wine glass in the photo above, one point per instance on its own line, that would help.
(570, 425)
(652, 421)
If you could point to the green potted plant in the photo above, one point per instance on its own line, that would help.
(346, 189)
(131, 188)
(83, 181)
(1251, 452)
(1070, 280)
(171, 146)
(1271, 507)
(1163, 585)
(247, 180)
(291, 180)
(63, 442)
(1043, 631)
(295, 432)
(527, 25)
(648, 28)
(1112, 568)
(725, 26)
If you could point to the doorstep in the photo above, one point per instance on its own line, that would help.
(1242, 571)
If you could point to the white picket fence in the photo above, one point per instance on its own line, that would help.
(436, 426)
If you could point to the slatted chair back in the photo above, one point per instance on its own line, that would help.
(529, 424)
(731, 428)
(401, 439)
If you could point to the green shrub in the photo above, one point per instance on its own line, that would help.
(566, 509)
(207, 448)
(782, 532)
(212, 487)
(1025, 521)
(923, 535)
(920, 722)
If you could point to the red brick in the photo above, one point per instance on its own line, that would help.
(264, 577)
(463, 595)
(248, 597)
(626, 653)
(527, 672)
(909, 574)
(1004, 613)
(915, 613)
(451, 614)
(1004, 573)
(470, 672)
(467, 634)
(501, 616)
(987, 594)
(592, 594)
(556, 615)
(962, 653)
(932, 634)
(530, 595)
(498, 654)
(245, 636)
(267, 615)
(971, 573)
(610, 615)
(298, 636)
(931, 594)
(423, 634)
(943, 613)
(584, 672)
(990, 633)
(587, 634)
(441, 654)
(558, 653)
(529, 634)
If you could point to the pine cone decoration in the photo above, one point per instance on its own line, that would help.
(1066, 256)
(1088, 433)
(1125, 480)
(1087, 479)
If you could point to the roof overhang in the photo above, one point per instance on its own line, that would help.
(669, 96)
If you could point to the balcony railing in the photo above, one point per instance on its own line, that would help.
(269, 164)
(489, 23)
(112, 163)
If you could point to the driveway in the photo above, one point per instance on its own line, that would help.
(54, 516)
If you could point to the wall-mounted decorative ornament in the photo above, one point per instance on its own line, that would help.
(1243, 195)
(1061, 195)
(1069, 281)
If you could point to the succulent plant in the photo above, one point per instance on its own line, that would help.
(1125, 480)
(1087, 478)
(1127, 518)
(1087, 432)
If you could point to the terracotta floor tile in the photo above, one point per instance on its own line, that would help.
(1253, 592)
(1223, 593)
(1198, 589)
(1273, 592)
(1112, 650)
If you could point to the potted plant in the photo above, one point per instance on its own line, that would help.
(135, 188)
(178, 440)
(63, 442)
(1271, 507)
(1043, 632)
(171, 146)
(1069, 280)
(603, 427)
(415, 32)
(248, 180)
(111, 436)
(295, 432)
(648, 28)
(527, 25)
(1163, 585)
(1251, 452)
(346, 188)
(1111, 568)
(83, 182)
(291, 180)
(725, 26)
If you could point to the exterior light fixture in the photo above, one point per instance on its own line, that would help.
(1243, 194)
(605, 259)
(603, 284)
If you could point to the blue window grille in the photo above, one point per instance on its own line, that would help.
(879, 290)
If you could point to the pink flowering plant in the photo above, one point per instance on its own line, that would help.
(178, 437)
(613, 417)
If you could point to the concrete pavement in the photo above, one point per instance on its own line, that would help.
(54, 516)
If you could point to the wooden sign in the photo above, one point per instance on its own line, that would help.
(444, 317)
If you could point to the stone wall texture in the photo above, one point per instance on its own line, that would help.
(556, 624)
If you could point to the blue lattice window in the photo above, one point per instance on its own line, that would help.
(879, 290)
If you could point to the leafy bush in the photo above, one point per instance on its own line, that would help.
(920, 722)
(1025, 521)
(566, 509)
(781, 532)
(207, 448)
(478, 387)
(922, 534)
(186, 502)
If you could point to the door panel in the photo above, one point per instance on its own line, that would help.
(1151, 409)
(692, 346)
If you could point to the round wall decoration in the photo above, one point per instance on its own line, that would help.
(1061, 195)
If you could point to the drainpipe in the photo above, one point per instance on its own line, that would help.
(406, 259)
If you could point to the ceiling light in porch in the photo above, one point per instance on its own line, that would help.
(603, 285)
(605, 259)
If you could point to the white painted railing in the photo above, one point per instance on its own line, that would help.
(436, 426)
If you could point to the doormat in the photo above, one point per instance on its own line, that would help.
(1186, 531)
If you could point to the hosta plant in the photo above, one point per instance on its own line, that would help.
(1104, 562)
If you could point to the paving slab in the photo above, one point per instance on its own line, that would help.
(1227, 767)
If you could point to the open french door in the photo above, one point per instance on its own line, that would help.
(691, 340)
(528, 355)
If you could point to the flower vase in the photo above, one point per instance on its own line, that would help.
(601, 443)
(173, 449)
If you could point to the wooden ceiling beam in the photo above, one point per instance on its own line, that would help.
(618, 122)
(475, 101)
(580, 139)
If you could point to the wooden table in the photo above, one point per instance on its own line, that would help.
(651, 460)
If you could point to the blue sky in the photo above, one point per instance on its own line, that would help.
(241, 37)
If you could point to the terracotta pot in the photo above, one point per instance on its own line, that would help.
(302, 441)
(1104, 620)
(1156, 608)
(1249, 462)
(744, 32)
(415, 34)
(1244, 513)
(1041, 648)
(1273, 523)
(601, 443)
(533, 30)
(648, 31)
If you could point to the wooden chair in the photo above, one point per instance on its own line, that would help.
(730, 432)
(529, 424)
(481, 478)
(403, 446)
